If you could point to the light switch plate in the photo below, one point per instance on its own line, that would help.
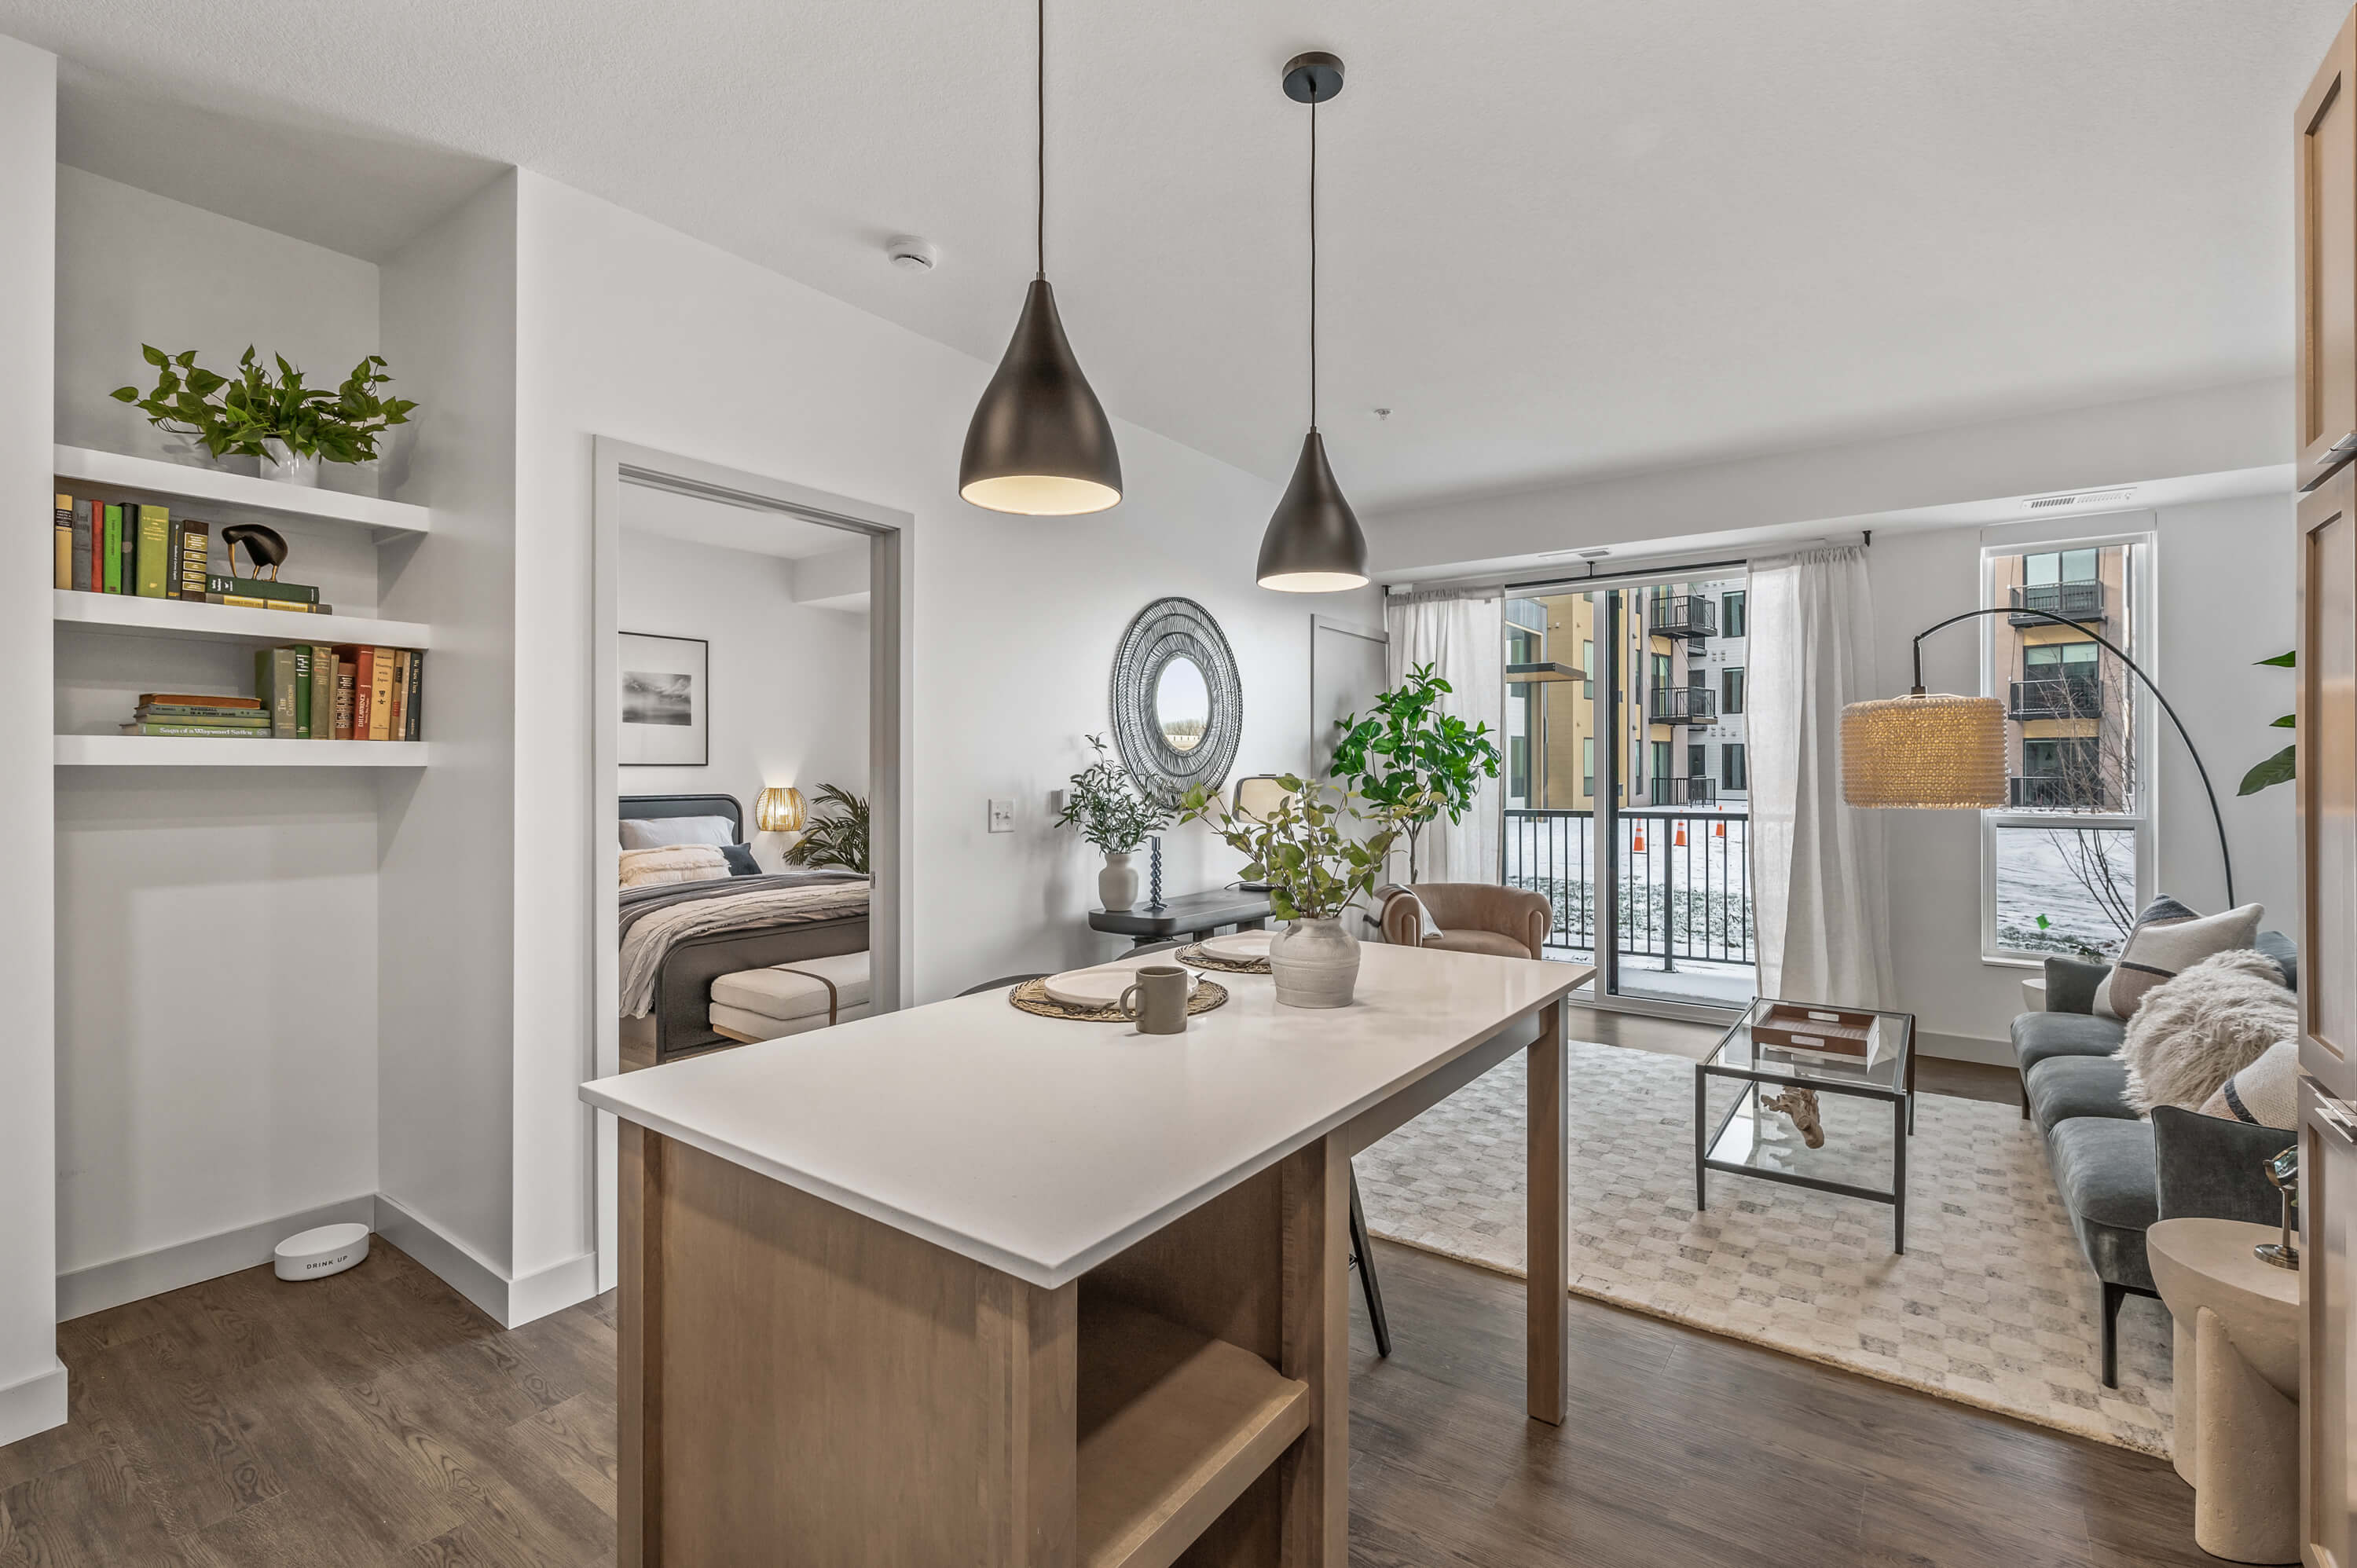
(1002, 814)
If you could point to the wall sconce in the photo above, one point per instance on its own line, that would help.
(780, 809)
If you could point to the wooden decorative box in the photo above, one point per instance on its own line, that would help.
(1832, 1030)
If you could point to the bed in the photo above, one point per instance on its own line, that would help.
(679, 1021)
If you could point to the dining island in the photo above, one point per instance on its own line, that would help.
(962, 1284)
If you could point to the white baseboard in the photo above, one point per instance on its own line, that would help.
(1965, 1048)
(101, 1286)
(507, 1302)
(33, 1404)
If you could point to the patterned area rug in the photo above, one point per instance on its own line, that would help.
(1992, 1305)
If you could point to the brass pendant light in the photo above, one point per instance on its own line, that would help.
(1313, 544)
(1039, 442)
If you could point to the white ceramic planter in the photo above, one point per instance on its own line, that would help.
(278, 463)
(1315, 964)
(1117, 882)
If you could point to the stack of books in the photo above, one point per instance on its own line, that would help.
(132, 547)
(188, 714)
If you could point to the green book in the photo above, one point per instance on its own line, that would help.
(302, 652)
(247, 720)
(195, 730)
(273, 684)
(113, 544)
(323, 693)
(154, 553)
(262, 588)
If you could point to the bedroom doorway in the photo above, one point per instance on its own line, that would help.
(749, 646)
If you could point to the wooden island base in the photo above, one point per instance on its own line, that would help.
(803, 1384)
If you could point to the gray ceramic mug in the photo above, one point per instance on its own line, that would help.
(1160, 999)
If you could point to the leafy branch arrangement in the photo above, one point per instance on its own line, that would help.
(837, 838)
(1413, 760)
(1106, 808)
(235, 414)
(2276, 769)
(1313, 869)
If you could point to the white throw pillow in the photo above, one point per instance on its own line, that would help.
(653, 832)
(2194, 1033)
(672, 863)
(2266, 1093)
(2169, 939)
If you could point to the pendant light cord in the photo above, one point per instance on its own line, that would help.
(1039, 234)
(1313, 264)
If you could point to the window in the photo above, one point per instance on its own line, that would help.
(1588, 766)
(1730, 691)
(2066, 860)
(1731, 615)
(1695, 767)
(1733, 776)
(1518, 767)
(1660, 759)
(1587, 669)
(1661, 675)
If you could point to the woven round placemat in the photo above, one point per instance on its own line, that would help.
(1203, 960)
(1031, 996)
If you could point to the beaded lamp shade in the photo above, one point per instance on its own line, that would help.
(780, 809)
(1937, 752)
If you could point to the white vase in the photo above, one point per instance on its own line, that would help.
(1315, 964)
(280, 464)
(1117, 882)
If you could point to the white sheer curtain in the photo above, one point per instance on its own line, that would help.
(1463, 635)
(1819, 900)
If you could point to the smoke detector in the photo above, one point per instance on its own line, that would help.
(910, 253)
(2083, 500)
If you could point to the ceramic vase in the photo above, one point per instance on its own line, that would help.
(280, 464)
(1315, 964)
(1117, 882)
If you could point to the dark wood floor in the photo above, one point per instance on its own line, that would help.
(377, 1418)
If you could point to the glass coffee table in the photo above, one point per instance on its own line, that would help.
(1790, 1064)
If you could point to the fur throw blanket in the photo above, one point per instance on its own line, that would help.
(2195, 1032)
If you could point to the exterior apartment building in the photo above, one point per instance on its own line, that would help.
(2068, 742)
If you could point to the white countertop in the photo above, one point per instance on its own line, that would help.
(1042, 1146)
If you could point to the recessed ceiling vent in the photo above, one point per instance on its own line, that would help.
(2084, 501)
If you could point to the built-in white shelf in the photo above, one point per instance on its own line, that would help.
(197, 751)
(132, 616)
(232, 493)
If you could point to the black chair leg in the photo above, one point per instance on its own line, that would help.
(1362, 1258)
(2113, 1297)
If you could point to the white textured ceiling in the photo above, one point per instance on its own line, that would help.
(1563, 237)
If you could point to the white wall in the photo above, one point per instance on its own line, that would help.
(789, 681)
(634, 332)
(136, 268)
(2225, 579)
(32, 1382)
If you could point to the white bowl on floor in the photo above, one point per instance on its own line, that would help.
(316, 1253)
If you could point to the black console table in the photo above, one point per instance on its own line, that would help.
(1194, 916)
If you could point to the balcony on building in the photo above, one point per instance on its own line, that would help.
(2055, 792)
(1691, 615)
(1684, 705)
(2057, 697)
(2071, 601)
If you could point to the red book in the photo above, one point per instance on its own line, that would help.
(363, 682)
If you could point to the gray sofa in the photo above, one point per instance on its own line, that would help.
(2117, 1173)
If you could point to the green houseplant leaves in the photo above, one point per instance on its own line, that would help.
(1409, 758)
(234, 415)
(1106, 808)
(837, 838)
(2278, 769)
(1313, 869)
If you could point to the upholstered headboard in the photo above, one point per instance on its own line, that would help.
(641, 807)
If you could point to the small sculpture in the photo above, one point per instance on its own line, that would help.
(265, 546)
(1800, 1105)
(2283, 1171)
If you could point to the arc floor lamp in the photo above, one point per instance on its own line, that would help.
(1946, 753)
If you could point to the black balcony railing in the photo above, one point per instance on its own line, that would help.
(2055, 791)
(1683, 706)
(1698, 790)
(2057, 697)
(1684, 881)
(1682, 615)
(2071, 601)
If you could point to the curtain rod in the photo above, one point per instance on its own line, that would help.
(1638, 566)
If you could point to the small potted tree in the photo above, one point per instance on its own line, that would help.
(1106, 808)
(290, 427)
(1314, 871)
(1410, 758)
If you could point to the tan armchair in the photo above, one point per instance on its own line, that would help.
(1473, 917)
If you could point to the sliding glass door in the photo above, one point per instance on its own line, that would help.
(1626, 780)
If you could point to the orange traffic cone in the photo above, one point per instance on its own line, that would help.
(1720, 830)
(1639, 846)
(1680, 841)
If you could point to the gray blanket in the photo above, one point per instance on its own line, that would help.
(654, 919)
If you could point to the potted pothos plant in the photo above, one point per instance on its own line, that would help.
(1315, 870)
(1411, 759)
(290, 426)
(1106, 808)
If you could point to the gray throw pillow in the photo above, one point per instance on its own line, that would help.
(740, 860)
(659, 832)
(2169, 939)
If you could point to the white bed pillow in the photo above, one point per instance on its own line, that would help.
(674, 862)
(654, 832)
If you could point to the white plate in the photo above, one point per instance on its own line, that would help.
(1239, 944)
(1099, 987)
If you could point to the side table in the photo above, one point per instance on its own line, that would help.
(2237, 1384)
(1194, 915)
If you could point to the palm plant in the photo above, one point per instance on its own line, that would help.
(836, 833)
